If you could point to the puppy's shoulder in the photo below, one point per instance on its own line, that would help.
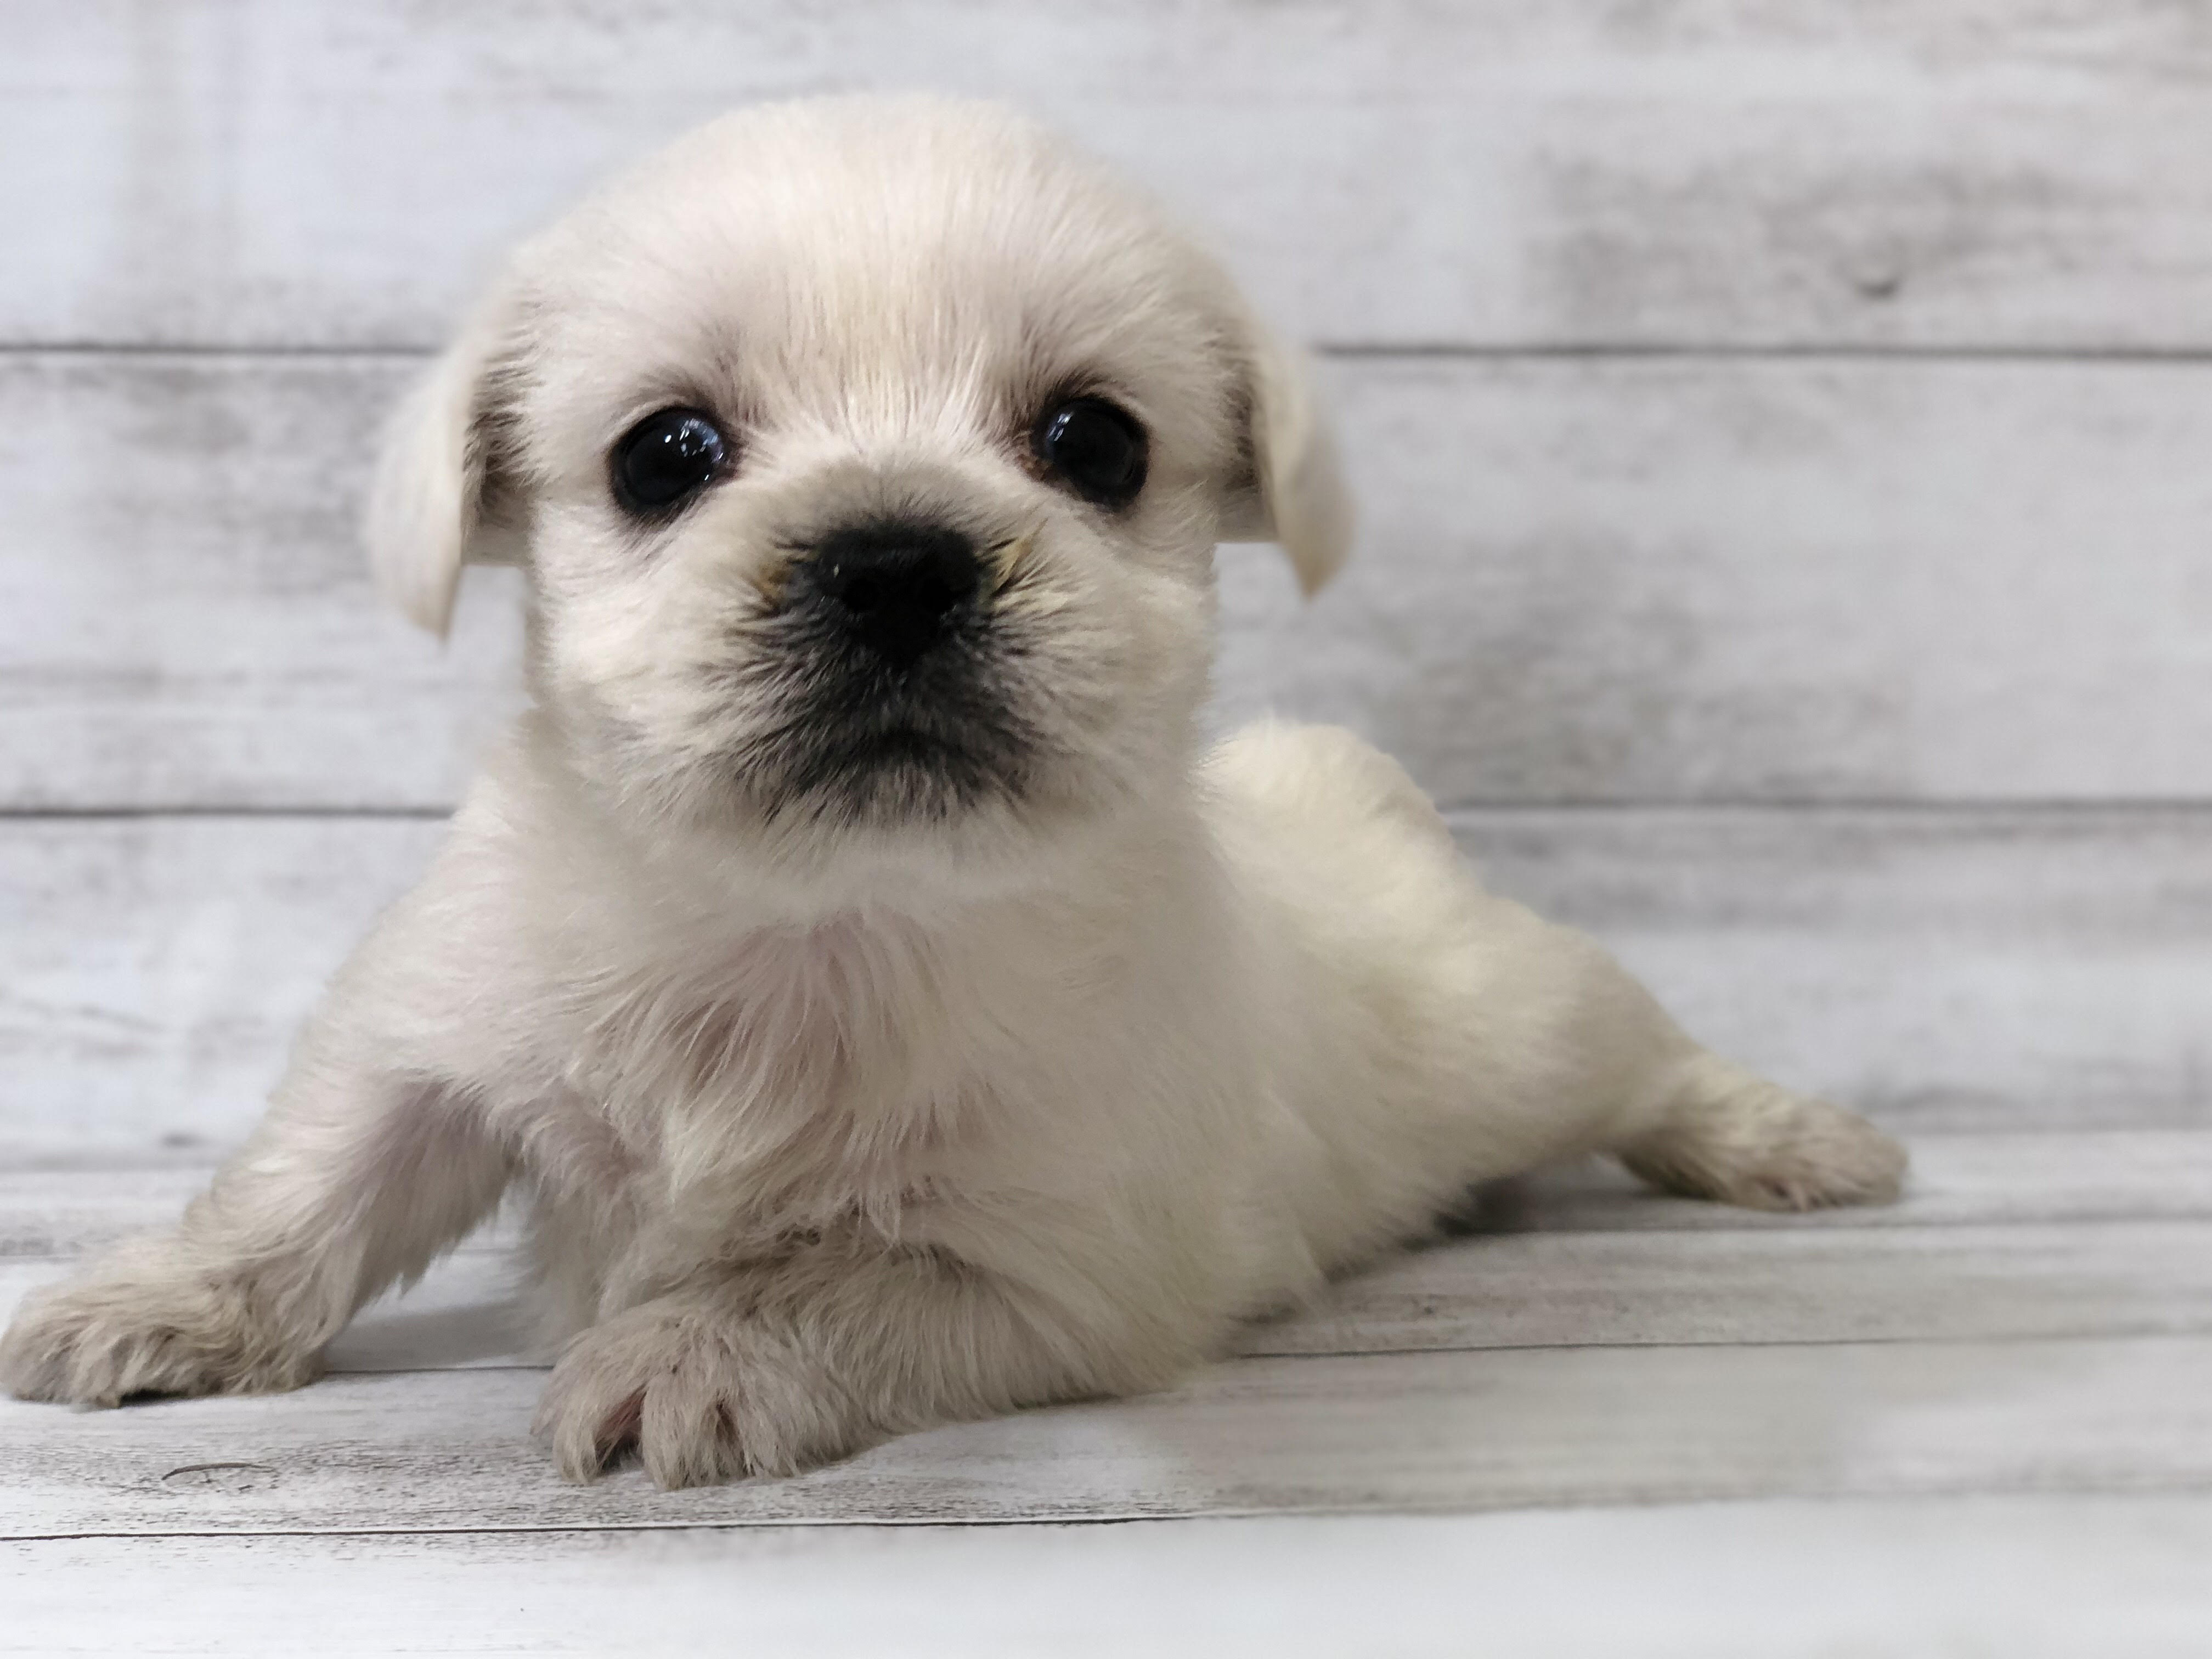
(1317, 775)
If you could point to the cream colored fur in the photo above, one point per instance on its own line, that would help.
(831, 1128)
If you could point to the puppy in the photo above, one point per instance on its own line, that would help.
(890, 1009)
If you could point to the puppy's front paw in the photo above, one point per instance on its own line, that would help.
(699, 1395)
(1740, 1139)
(132, 1326)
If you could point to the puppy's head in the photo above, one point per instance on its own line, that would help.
(866, 458)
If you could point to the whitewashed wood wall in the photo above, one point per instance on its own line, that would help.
(1785, 435)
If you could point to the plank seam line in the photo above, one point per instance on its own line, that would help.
(1931, 806)
(1842, 351)
(136, 814)
(1345, 350)
(216, 351)
(2125, 1334)
(1779, 809)
(2194, 1217)
(714, 1524)
(131, 1163)
(2199, 1211)
(2136, 1333)
(2187, 1487)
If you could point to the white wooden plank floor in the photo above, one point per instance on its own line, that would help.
(1789, 353)
(1599, 1422)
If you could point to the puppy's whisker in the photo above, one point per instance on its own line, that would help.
(1012, 562)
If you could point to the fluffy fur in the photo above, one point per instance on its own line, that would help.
(871, 1054)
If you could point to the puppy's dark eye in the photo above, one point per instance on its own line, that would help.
(1097, 447)
(668, 456)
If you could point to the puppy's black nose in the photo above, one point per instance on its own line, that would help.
(898, 586)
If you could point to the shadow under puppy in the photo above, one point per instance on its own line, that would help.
(891, 1010)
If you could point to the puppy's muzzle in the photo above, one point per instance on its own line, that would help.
(895, 587)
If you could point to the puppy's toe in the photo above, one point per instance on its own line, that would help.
(699, 1398)
(1741, 1140)
(102, 1339)
(589, 1416)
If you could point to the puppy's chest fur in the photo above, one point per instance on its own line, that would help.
(858, 1076)
(796, 1071)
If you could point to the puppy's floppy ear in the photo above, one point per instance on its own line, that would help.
(1292, 492)
(444, 475)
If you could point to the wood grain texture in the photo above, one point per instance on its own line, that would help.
(1871, 1285)
(383, 1504)
(159, 967)
(2028, 1578)
(1897, 1283)
(2012, 970)
(1413, 1433)
(1799, 581)
(1579, 581)
(187, 611)
(1939, 970)
(1759, 419)
(1961, 174)
(2007, 1178)
(52, 1211)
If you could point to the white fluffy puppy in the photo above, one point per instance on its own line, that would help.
(888, 1010)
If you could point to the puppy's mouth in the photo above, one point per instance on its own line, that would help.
(882, 759)
(896, 681)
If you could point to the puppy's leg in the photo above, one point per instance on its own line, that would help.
(1558, 1050)
(774, 1368)
(1579, 1052)
(356, 1178)
(1723, 1133)
(1577, 1056)
(1444, 1036)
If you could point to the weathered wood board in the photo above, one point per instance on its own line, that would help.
(2027, 1578)
(1505, 1428)
(1782, 444)
(1817, 1416)
(1579, 581)
(1955, 174)
(1639, 1289)
(1987, 968)
(186, 608)
(157, 969)
(1638, 1362)
(2007, 1179)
